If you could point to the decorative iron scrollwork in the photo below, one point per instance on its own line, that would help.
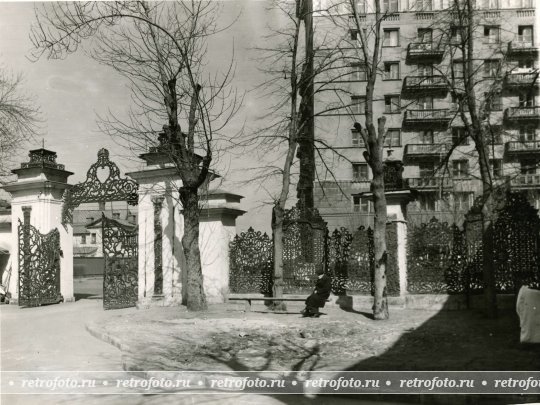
(251, 263)
(39, 266)
(120, 278)
(113, 188)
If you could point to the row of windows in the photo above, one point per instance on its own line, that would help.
(393, 6)
(459, 136)
(459, 169)
(492, 35)
(392, 103)
(391, 69)
(425, 201)
(93, 239)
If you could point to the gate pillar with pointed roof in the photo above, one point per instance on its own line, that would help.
(38, 192)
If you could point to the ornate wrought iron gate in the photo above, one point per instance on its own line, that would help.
(39, 266)
(120, 276)
(120, 285)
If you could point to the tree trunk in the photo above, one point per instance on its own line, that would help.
(380, 301)
(278, 214)
(196, 298)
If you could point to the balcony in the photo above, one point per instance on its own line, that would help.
(522, 79)
(424, 84)
(430, 183)
(522, 114)
(424, 51)
(423, 151)
(525, 181)
(523, 46)
(522, 147)
(440, 117)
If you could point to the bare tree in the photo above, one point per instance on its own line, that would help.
(19, 119)
(374, 137)
(160, 48)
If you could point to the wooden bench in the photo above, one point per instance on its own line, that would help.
(274, 299)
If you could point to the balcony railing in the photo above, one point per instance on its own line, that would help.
(424, 51)
(520, 147)
(525, 181)
(522, 113)
(440, 116)
(522, 45)
(429, 182)
(413, 150)
(522, 79)
(423, 83)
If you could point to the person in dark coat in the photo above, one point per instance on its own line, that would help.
(318, 298)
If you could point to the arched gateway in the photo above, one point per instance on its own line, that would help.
(120, 246)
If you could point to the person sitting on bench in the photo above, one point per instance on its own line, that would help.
(318, 298)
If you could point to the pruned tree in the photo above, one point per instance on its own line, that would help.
(160, 48)
(474, 76)
(19, 119)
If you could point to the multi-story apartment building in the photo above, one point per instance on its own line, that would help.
(418, 89)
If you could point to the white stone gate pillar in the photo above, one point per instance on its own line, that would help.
(39, 188)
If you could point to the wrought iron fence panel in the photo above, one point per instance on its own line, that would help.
(251, 263)
(120, 277)
(515, 242)
(429, 256)
(39, 266)
(304, 249)
(360, 262)
(338, 251)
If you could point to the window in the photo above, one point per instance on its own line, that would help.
(361, 6)
(356, 138)
(358, 72)
(491, 67)
(460, 168)
(390, 6)
(358, 104)
(392, 104)
(462, 201)
(459, 136)
(492, 4)
(363, 205)
(391, 71)
(83, 239)
(427, 169)
(527, 134)
(496, 167)
(458, 67)
(527, 3)
(491, 34)
(494, 135)
(456, 34)
(525, 33)
(460, 101)
(393, 138)
(425, 35)
(94, 241)
(526, 64)
(426, 137)
(425, 70)
(425, 103)
(528, 166)
(355, 34)
(427, 201)
(360, 172)
(526, 100)
(391, 37)
(424, 5)
(493, 101)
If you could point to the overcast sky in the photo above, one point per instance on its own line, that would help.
(71, 92)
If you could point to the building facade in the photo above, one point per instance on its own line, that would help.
(419, 87)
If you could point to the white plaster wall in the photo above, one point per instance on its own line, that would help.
(146, 245)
